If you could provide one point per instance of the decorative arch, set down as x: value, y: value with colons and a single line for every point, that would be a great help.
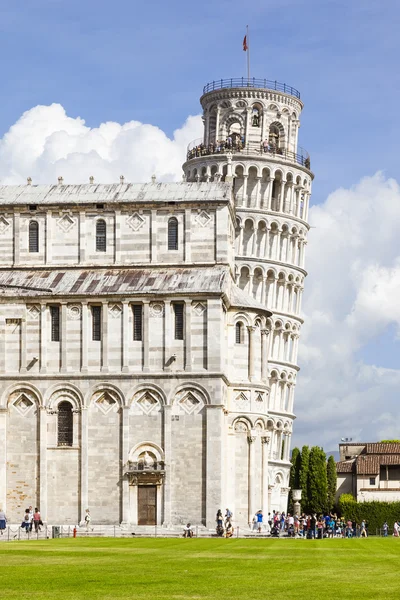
x: 242, y: 425
x: 100, y: 388
x: 191, y: 397
x: 146, y: 446
x: 9, y: 394
x: 64, y: 393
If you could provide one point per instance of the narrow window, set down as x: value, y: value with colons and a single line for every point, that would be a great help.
x: 137, y: 322
x: 33, y: 236
x: 101, y: 236
x: 178, y: 310
x: 173, y: 234
x: 96, y: 323
x: 55, y: 323
x: 372, y: 481
x: 65, y: 424
x: 239, y: 333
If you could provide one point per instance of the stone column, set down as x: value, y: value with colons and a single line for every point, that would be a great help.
x: 167, y: 333
x: 64, y: 337
x: 257, y: 191
x: 82, y: 238
x: 188, y: 335
x: 265, y: 252
x: 146, y: 336
x: 84, y: 462
x: 48, y: 239
x: 264, y: 480
x: 187, y: 242
x: 117, y: 235
x: 153, y: 236
x: 269, y: 196
x: 168, y: 464
x: 287, y: 446
x: 264, y: 355
x: 244, y: 197
x: 254, y: 241
x: 124, y: 459
x: 85, y: 337
x: 43, y: 337
x: 104, y: 338
x: 207, y: 128
x: 23, y: 346
x: 16, y: 238
x: 251, y: 438
x: 217, y: 125
x: 125, y: 336
x: 281, y: 195
x: 214, y: 461
x: 3, y: 457
x: 252, y: 331
x: 240, y: 249
x: 43, y: 462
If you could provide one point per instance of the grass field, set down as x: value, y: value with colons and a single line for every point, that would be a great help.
x: 168, y: 569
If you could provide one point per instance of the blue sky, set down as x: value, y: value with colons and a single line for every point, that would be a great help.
x: 128, y: 61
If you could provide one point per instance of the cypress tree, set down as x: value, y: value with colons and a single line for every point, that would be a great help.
x: 303, y: 476
x: 332, y: 480
x: 317, y: 485
x: 294, y: 475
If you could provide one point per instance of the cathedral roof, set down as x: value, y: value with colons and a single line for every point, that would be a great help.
x: 114, y: 193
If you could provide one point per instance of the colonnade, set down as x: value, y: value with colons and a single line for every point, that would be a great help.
x: 277, y: 294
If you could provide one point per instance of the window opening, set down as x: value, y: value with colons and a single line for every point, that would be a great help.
x: 137, y: 322
x: 33, y: 236
x: 178, y: 310
x: 65, y: 424
x: 101, y: 236
x: 239, y: 333
x: 96, y: 323
x: 55, y: 323
x: 173, y: 234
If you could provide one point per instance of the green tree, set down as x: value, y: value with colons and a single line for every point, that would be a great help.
x: 294, y: 480
x: 332, y: 480
x: 303, y: 476
x: 317, y: 484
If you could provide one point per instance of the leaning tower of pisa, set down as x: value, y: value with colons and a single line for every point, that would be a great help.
x: 251, y: 138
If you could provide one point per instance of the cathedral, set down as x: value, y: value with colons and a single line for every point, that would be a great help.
x: 149, y: 332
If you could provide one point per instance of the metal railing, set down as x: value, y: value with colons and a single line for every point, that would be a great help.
x: 243, y: 82
x: 196, y: 149
x: 140, y: 466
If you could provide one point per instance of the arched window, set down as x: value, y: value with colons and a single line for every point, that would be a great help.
x: 65, y: 426
x: 239, y: 333
x: 173, y: 234
x: 101, y: 236
x: 33, y: 236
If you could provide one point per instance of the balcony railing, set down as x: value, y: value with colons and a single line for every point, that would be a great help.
x: 197, y: 149
x: 141, y: 467
x: 243, y: 82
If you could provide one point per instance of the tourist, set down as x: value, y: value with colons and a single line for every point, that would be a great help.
x: 220, y: 523
x: 363, y: 530
x: 31, y: 518
x: 88, y: 518
x: 228, y: 516
x: 228, y: 529
x: 396, y: 529
x: 26, y: 523
x: 188, y: 531
x: 385, y: 529
x: 3, y: 521
x: 311, y: 527
x: 37, y: 521
x: 259, y: 518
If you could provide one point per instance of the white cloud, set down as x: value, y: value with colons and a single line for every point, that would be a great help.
x: 351, y: 298
x: 46, y: 143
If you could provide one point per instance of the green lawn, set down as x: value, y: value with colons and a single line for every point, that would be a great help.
x: 200, y: 568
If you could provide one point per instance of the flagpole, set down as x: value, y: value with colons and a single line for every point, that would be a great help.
x: 248, y: 53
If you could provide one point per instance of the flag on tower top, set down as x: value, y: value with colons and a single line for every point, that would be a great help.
x: 245, y: 46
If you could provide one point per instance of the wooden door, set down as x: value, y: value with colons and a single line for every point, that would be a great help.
x: 147, y: 504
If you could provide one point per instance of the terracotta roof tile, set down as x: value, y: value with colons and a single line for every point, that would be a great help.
x: 345, y: 466
x: 382, y: 448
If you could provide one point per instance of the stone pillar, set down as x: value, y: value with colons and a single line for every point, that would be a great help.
x: 287, y: 447
x: 82, y: 238
x: 240, y: 249
x: 264, y: 355
x: 167, y: 334
x: 23, y: 346
x: 257, y: 192
x: 43, y: 462
x: 104, y: 338
x: 269, y: 196
x: 244, y: 197
x: 265, y: 252
x: 207, y: 129
x: 281, y: 195
x: 43, y: 337
x: 16, y: 238
x: 187, y: 246
x: 252, y: 331
x: 125, y: 336
x: 84, y: 462
x: 251, y: 438
x: 85, y: 337
x: 146, y: 336
x: 153, y: 236
x: 254, y: 241
x: 124, y: 460
x: 64, y: 337
x: 217, y: 125
x: 264, y: 480
x: 188, y: 335
x: 3, y: 457
x: 168, y: 464
x: 48, y: 239
x: 214, y: 461
x: 296, y: 495
x: 117, y: 235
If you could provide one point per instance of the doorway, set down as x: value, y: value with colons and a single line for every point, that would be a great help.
x: 147, y: 504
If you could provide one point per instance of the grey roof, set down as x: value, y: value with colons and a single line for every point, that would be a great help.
x: 94, y: 282
x: 240, y: 299
x: 114, y: 193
